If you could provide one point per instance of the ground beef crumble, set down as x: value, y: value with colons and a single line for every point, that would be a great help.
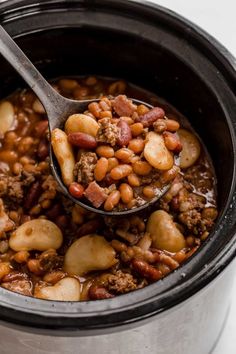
x: 107, y: 132
x: 121, y: 282
x: 84, y: 169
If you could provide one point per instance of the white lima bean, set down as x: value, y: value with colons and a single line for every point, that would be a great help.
x: 64, y: 154
x: 67, y: 289
x: 7, y: 116
x: 164, y: 233
x: 37, y: 234
x: 191, y: 148
x: 90, y: 252
x: 156, y: 153
x: 81, y: 123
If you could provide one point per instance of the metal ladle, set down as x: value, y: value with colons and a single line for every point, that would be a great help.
x: 58, y: 109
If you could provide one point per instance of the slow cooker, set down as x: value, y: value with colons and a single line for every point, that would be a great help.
x: 164, y: 53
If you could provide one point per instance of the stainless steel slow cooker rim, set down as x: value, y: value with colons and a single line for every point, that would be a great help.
x: 56, y: 306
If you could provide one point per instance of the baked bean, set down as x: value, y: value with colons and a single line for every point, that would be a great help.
x: 136, y: 145
x: 101, y: 169
x: 169, y: 175
x: 120, y: 171
x: 172, y: 142
x: 136, y: 129
x: 8, y: 156
x: 112, y: 200
x: 128, y: 120
x: 68, y: 84
x: 21, y: 256
x: 105, y: 114
x: 126, y: 193
x: 105, y: 151
x: 25, y: 144
x: 95, y: 109
x: 142, y: 168
x: 124, y: 154
x: 76, y: 190
x: 142, y: 109
x: 172, y: 125
x: 132, y: 203
x: 17, y: 168
x: 112, y: 162
x: 34, y: 266
x: 148, y: 192
x: 134, y: 180
x: 117, y: 88
x: 104, y: 105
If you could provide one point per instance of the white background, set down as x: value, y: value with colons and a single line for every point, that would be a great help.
x: 219, y: 19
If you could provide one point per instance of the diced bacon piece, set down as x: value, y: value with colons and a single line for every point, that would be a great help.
x: 123, y: 106
x: 95, y: 194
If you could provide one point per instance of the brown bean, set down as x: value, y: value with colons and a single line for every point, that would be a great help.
x: 172, y: 125
x: 105, y: 114
x: 34, y: 266
x: 160, y: 126
x: 136, y: 129
x: 98, y: 293
x: 136, y: 145
x: 142, y: 168
x: 169, y: 175
x: 8, y: 156
x: 105, y: 105
x: 112, y: 162
x: 148, y: 192
x: 21, y: 256
x: 101, y: 169
x: 25, y: 144
x: 126, y: 193
x: 146, y: 270
x: 125, y: 134
x: 128, y: 120
x: 112, y: 200
x: 134, y: 180
x: 172, y: 142
x: 82, y: 140
x: 124, y: 154
x: 151, y: 116
x: 120, y: 171
x: 142, y: 109
x: 95, y: 109
x: 105, y: 151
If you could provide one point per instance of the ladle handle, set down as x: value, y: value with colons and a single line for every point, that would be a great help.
x: 14, y: 55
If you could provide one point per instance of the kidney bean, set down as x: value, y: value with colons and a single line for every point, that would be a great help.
x: 125, y: 134
x: 76, y: 190
x: 99, y: 293
x: 43, y: 149
x: 54, y: 211
x: 33, y: 195
x: 82, y: 140
x: 146, y: 270
x: 151, y: 116
x: 90, y: 227
x: 40, y: 128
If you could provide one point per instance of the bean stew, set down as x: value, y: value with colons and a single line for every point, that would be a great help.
x: 53, y: 249
x: 117, y: 155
